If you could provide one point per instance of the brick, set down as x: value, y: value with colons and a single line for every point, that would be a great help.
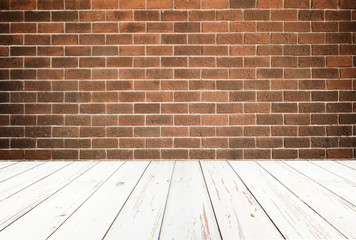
x: 311, y: 15
x: 294, y: 119
x: 174, y: 15
x: 146, y: 132
x: 201, y: 108
x: 159, y: 143
x: 297, y: 26
x: 269, y: 73
x: 257, y: 154
x: 245, y: 119
x: 257, y: 15
x: 312, y: 153
x: 58, y: 40
x: 146, y: 154
x: 347, y: 4
x: 339, y: 153
x: 311, y: 131
x: 297, y: 142
x: 187, y: 143
x: 120, y: 154
x: 324, y: 119
x: 229, y: 85
x: 284, y: 154
x: 202, y: 154
x: 347, y: 118
x: 229, y: 154
x: 127, y: 120
x: 201, y: 38
x: 311, y: 38
x: 186, y: 27
x: 243, y: 27
x: 23, y: 28
x: 159, y: 120
x: 187, y: 4
x: 201, y: 131
x: 106, y: 4
x: 89, y: 16
x: 161, y: 4
x: 284, y: 15
x: 147, y: 85
x: 120, y: 132
x: 269, y: 142
x: 256, y: 131
x: 257, y: 38
x: 229, y: 108
x: 242, y: 96
x: 92, y: 154
x: 174, y: 154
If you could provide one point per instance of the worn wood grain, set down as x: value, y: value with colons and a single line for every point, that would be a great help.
x: 338, y: 169
x: 237, y: 212
x: 340, y: 186
x: 93, y: 219
x: 20, y: 203
x: 142, y: 214
x: 341, y: 215
x: 293, y: 218
x: 189, y: 214
x: 350, y: 164
x: 49, y: 215
x: 16, y: 169
x: 28, y: 178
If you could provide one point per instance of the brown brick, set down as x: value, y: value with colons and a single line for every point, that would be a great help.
x: 202, y: 154
x: 256, y: 131
x: 229, y: 154
x: 311, y: 153
x: 201, y: 131
x: 120, y: 154
x: 257, y: 154
x: 146, y: 154
x: 174, y: 154
x: 297, y: 142
x: 284, y: 154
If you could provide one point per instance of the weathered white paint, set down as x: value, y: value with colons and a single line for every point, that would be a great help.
x: 188, y: 214
x: 4, y: 164
x: 92, y: 220
x: 237, y: 212
x: 293, y: 218
x: 338, y: 169
x: 342, y: 187
x: 350, y: 164
x: 18, y: 204
x: 141, y: 216
x: 26, y: 179
x: 342, y: 215
x: 16, y: 169
x: 48, y: 216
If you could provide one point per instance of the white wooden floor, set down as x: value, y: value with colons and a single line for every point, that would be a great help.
x: 178, y: 200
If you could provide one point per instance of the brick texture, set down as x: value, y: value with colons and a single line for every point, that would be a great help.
x: 163, y: 79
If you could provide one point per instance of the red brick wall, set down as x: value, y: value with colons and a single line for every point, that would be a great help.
x: 177, y: 79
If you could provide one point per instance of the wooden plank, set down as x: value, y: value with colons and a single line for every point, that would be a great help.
x: 92, y: 220
x: 189, y: 214
x: 340, y: 186
x: 4, y: 164
x: 26, y: 179
x: 338, y: 169
x: 141, y: 216
x: 332, y: 208
x: 350, y: 164
x: 292, y: 217
x: 15, y: 169
x: 237, y: 212
x: 50, y: 214
x: 18, y: 204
